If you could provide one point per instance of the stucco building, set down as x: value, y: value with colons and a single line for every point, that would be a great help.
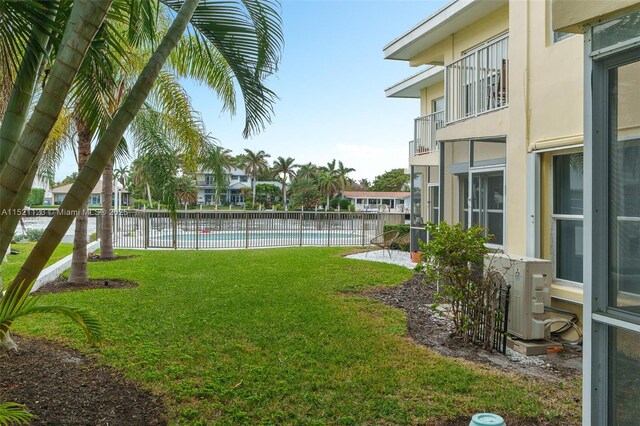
x: 513, y: 137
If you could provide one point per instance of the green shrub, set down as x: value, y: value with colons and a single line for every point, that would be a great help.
x: 402, y: 228
x: 344, y: 204
x: 352, y: 208
x: 32, y: 235
x: 334, y: 203
x: 454, y: 257
x: 36, y: 197
x: 93, y: 237
x: 139, y: 203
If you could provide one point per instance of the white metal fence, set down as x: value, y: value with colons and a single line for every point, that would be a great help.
x: 218, y: 229
x: 478, y: 82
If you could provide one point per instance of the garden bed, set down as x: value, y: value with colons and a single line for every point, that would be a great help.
x: 430, y: 329
x: 62, y: 386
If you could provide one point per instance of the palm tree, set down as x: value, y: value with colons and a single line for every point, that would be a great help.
x: 254, y: 164
x: 186, y: 192
x: 249, y: 40
x: 218, y: 161
x: 307, y: 170
x: 327, y: 183
x: 304, y: 192
x: 343, y: 179
x: 284, y: 167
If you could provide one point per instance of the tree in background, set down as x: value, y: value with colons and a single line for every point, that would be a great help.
x: 254, y: 164
x: 36, y: 197
x: 304, y: 192
x: 343, y: 176
x: 218, y: 161
x: 327, y: 184
x: 284, y: 168
x: 391, y: 181
x: 247, y: 34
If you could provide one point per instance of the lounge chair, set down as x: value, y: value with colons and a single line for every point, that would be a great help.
x: 385, y: 240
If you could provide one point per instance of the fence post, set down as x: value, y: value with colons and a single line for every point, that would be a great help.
x: 246, y: 229
x: 300, y: 227
x: 145, y: 215
x: 198, y: 230
x: 174, y: 228
x: 362, y: 228
x: 328, y: 229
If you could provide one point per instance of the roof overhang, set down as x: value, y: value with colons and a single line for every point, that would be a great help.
x: 411, y: 86
x: 450, y: 19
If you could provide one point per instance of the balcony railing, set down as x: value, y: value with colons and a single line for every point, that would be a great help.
x: 204, y: 183
x: 478, y: 82
x: 425, y: 133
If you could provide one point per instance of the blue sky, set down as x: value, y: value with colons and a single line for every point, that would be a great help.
x: 331, y: 87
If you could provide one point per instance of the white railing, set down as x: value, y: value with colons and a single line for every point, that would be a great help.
x: 478, y: 82
x: 425, y: 133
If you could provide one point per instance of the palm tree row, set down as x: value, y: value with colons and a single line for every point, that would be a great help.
x: 61, y: 37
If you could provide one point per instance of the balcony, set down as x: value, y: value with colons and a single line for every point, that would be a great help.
x: 425, y: 133
x: 204, y: 183
x: 477, y: 83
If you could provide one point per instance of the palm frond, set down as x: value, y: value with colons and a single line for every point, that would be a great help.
x: 206, y: 66
x: 87, y: 321
x: 12, y: 413
x: 249, y: 37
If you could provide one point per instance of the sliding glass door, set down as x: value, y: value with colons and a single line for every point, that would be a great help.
x: 487, y: 202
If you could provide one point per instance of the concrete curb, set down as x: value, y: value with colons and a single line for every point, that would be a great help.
x: 52, y: 272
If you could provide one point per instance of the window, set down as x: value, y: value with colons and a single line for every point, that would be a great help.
x: 438, y: 105
x: 567, y: 217
x: 434, y: 203
x: 94, y: 200
x: 559, y: 36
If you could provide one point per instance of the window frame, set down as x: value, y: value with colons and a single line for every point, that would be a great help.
x: 555, y: 217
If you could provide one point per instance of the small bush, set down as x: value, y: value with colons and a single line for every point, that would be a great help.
x: 334, y: 203
x: 344, y: 204
x: 402, y: 229
x: 352, y: 208
x: 32, y: 235
x: 36, y: 197
x: 454, y: 258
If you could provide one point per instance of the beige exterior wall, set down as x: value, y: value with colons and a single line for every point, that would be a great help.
x: 573, y: 15
x: 545, y: 111
x: 453, y: 46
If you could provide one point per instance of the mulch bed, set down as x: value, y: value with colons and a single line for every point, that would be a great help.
x: 61, y: 285
x: 430, y: 329
x: 96, y: 258
x: 64, y: 387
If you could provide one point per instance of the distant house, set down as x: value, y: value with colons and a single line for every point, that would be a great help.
x: 379, y: 201
x: 238, y: 183
x: 95, y: 199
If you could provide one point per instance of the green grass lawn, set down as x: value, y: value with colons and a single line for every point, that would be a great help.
x: 282, y: 336
x: 11, y: 267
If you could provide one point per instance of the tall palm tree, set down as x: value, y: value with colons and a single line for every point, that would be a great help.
x: 327, y: 183
x: 249, y: 40
x: 285, y: 168
x: 343, y: 179
x: 254, y: 164
x: 218, y: 161
x: 186, y: 192
x: 307, y: 170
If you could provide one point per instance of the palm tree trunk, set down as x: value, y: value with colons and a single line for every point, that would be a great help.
x: 84, y: 21
x: 104, y: 150
x: 253, y: 190
x: 78, y: 273
x: 15, y: 116
x: 284, y: 189
x: 106, y: 233
x: 149, y: 194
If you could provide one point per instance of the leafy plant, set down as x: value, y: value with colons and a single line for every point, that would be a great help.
x: 36, y: 197
x: 13, y: 413
x: 454, y: 258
